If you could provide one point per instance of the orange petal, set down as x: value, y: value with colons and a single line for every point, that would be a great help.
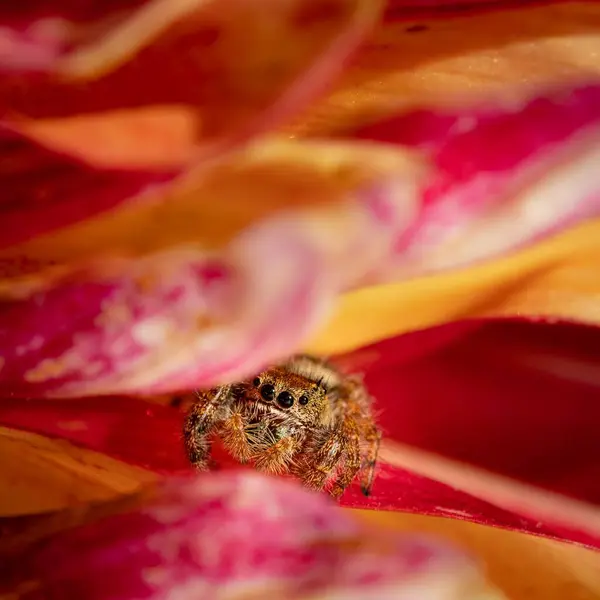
x: 437, y: 62
x: 215, y: 205
x: 241, y: 66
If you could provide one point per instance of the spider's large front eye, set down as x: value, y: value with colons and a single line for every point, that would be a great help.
x: 285, y: 400
x: 267, y: 391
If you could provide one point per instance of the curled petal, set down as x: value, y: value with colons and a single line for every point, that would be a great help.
x: 237, y: 66
x: 217, y: 537
x: 43, y: 190
x: 185, y: 318
x: 211, y: 207
x: 512, y: 398
x: 504, y: 176
x: 403, y: 489
x: 436, y: 56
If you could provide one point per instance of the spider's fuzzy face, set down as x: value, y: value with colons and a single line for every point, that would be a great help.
x: 303, y: 417
x: 293, y: 392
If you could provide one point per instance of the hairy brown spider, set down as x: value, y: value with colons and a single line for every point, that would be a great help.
x: 303, y: 417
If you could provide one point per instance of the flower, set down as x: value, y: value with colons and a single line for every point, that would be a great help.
x: 195, y: 189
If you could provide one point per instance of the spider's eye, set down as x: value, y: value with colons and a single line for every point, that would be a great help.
x: 285, y: 400
x: 267, y: 391
x: 256, y: 381
x: 303, y: 399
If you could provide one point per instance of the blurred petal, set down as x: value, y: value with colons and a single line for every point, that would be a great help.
x: 409, y: 9
x: 183, y: 317
x: 140, y: 138
x: 131, y: 325
x: 43, y: 190
x: 319, y: 179
x: 554, y: 279
x: 435, y: 55
x: 504, y: 176
x: 239, y: 69
x: 36, y: 36
x: 198, y: 535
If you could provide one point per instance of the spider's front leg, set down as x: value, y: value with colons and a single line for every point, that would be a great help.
x: 359, y: 409
x: 332, y: 460
x: 373, y: 439
x: 201, y: 421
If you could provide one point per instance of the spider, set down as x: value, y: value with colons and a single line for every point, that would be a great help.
x: 303, y: 417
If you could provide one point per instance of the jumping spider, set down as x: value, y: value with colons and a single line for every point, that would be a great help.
x: 303, y: 417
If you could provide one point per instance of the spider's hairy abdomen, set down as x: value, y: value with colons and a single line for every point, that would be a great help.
x: 303, y: 417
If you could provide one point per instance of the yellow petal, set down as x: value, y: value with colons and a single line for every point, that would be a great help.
x: 214, y: 205
x: 558, y: 279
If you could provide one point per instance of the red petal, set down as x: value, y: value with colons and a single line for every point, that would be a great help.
x: 403, y: 10
x: 43, y: 190
x: 128, y: 429
x: 514, y: 398
x: 403, y: 490
x: 217, y: 535
x: 172, y: 320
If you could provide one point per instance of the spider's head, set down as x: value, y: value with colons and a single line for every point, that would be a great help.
x: 288, y: 390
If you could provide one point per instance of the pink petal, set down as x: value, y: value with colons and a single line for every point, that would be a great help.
x: 506, y: 175
x: 226, y: 536
x: 43, y: 190
x: 182, y: 318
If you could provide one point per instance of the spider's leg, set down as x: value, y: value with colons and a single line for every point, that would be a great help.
x: 320, y: 458
x: 201, y: 421
x: 349, y: 465
x: 359, y: 407
x: 373, y: 439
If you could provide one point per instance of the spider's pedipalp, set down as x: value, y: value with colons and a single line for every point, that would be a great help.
x: 232, y: 431
x: 276, y: 459
x: 201, y: 421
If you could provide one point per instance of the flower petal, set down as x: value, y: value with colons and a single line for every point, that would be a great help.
x: 399, y: 489
x: 504, y: 176
x: 315, y: 178
x: 239, y: 68
x: 513, y: 398
x: 217, y: 537
x: 43, y: 190
x: 127, y: 429
x: 439, y: 57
